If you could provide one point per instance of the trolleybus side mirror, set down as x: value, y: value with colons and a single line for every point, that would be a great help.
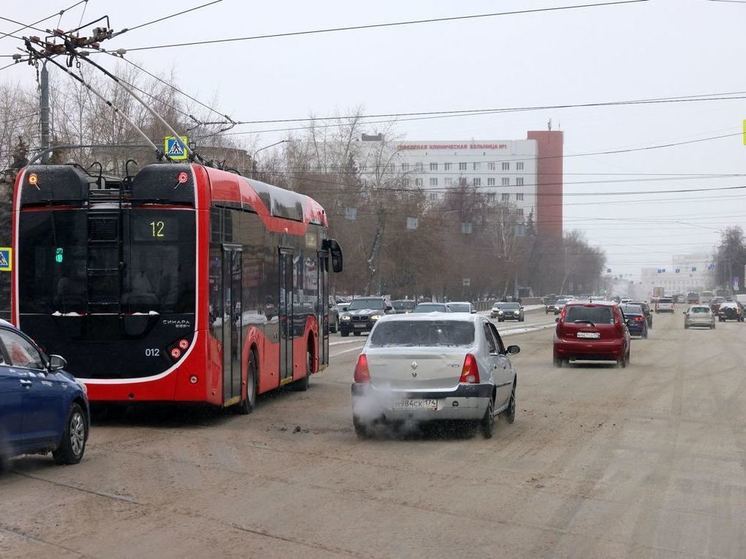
x: 336, y: 253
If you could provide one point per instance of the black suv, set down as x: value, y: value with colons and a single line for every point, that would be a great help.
x: 730, y: 310
x: 362, y: 315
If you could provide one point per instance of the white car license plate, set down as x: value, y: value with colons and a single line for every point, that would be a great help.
x: 589, y: 335
x: 361, y: 326
x: 417, y: 404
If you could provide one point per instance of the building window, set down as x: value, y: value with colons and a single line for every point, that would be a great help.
x: 505, y: 197
x: 477, y: 181
x: 433, y: 196
x: 404, y: 167
x: 449, y: 181
x: 519, y: 211
x: 418, y: 182
x: 433, y: 166
x: 519, y: 196
x: 491, y: 181
x: 519, y: 181
x: 491, y: 166
x: 506, y: 166
x: 519, y: 166
x: 405, y: 183
x: 491, y: 197
x: 475, y: 166
x: 419, y: 167
x: 433, y: 182
x: 446, y: 166
x: 462, y: 166
x: 506, y: 181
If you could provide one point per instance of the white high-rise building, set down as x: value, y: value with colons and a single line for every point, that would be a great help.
x: 504, y: 171
x: 686, y: 273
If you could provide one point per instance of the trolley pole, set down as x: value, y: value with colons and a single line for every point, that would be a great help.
x: 44, y: 109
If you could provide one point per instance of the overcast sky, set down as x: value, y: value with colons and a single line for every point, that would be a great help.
x: 660, y: 48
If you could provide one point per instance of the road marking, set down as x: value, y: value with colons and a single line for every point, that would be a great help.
x: 344, y: 342
x: 346, y: 351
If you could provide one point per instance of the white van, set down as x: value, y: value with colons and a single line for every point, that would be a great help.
x: 664, y: 304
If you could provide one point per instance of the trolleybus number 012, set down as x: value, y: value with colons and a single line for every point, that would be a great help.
x: 152, y: 352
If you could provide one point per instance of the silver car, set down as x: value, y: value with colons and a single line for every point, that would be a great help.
x: 434, y: 366
x: 699, y: 315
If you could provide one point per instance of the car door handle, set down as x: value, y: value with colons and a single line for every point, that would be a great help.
x: 25, y: 382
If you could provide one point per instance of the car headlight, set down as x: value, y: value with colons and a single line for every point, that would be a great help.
x: 499, y: 312
x: 345, y: 317
x: 375, y: 317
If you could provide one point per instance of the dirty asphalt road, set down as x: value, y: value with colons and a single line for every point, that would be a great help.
x: 648, y: 461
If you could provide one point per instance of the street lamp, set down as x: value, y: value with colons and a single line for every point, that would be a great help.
x: 253, y: 155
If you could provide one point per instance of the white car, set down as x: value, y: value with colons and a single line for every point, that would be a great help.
x: 664, y: 304
x: 699, y: 315
x: 434, y: 366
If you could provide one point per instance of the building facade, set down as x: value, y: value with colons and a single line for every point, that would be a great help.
x: 525, y: 174
x: 686, y: 273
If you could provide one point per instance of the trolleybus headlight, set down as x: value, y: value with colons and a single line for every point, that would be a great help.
x: 175, y: 353
x: 183, y: 344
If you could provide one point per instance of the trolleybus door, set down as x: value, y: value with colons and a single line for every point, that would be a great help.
x: 323, y: 317
x: 285, y: 316
x: 232, y: 321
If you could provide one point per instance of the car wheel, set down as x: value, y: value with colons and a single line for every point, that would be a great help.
x: 686, y: 326
x: 333, y: 327
x: 487, y: 425
x: 644, y: 334
x: 357, y: 333
x: 558, y: 362
x: 509, y: 413
x: 361, y: 429
x: 72, y: 447
x: 344, y: 333
x: 248, y: 404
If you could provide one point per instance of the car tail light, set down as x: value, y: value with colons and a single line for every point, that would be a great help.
x: 639, y: 318
x: 362, y: 373
x: 470, y: 370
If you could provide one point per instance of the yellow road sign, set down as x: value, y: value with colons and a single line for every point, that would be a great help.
x: 6, y: 259
x: 175, y: 150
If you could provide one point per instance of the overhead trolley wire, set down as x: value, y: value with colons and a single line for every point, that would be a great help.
x: 164, y: 18
x: 388, y: 24
x: 164, y: 82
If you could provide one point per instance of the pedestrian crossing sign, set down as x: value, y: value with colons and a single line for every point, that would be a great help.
x: 6, y: 259
x: 174, y: 149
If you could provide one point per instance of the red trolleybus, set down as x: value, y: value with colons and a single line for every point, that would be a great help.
x: 181, y: 283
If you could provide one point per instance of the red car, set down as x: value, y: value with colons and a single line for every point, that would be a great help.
x: 591, y: 332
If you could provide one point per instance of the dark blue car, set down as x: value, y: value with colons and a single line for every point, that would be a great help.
x: 637, y: 322
x: 42, y: 408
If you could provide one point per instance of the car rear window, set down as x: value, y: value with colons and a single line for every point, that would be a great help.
x: 700, y: 310
x: 665, y: 300
x: 430, y: 333
x: 596, y: 315
x: 631, y: 309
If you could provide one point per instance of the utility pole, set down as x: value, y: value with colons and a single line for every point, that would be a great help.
x: 44, y: 109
